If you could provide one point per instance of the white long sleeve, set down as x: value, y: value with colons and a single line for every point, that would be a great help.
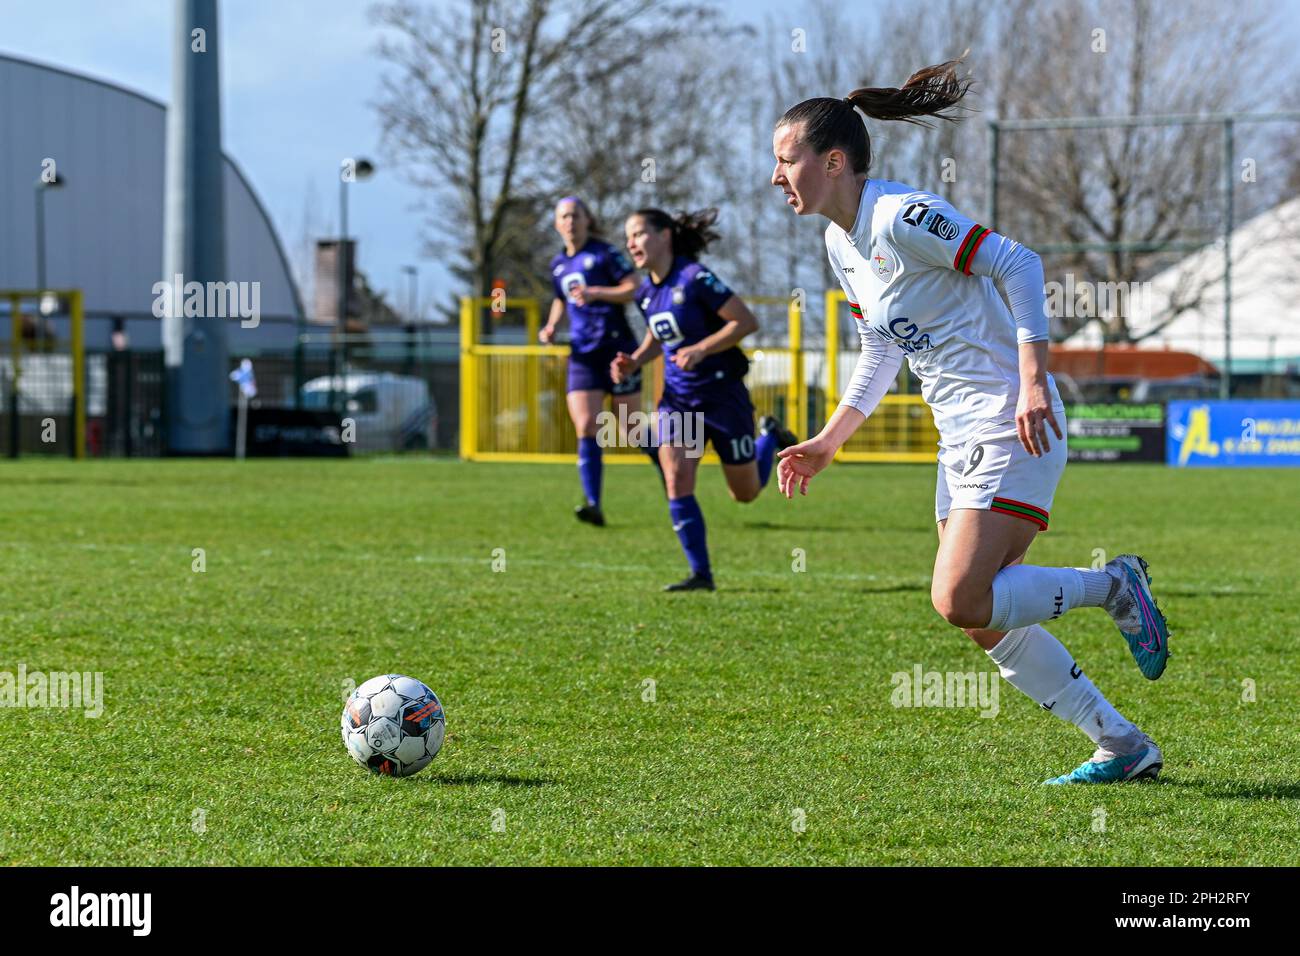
x: 877, y: 368
x: 879, y: 362
x: 1019, y: 271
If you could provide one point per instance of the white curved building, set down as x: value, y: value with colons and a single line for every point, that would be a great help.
x: 104, y: 227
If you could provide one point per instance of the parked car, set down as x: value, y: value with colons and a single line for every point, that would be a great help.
x: 391, y: 412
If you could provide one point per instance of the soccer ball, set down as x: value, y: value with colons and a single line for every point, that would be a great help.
x: 393, y: 725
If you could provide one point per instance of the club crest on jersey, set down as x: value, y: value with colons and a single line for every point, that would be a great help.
x: 882, y: 263
x: 588, y: 261
x: 679, y: 295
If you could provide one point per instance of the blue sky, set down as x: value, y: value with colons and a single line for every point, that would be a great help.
x: 298, y: 78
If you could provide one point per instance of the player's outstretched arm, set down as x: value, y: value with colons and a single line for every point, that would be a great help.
x: 799, y: 463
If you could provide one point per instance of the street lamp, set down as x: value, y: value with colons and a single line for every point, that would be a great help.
x: 41, y: 186
x: 410, y: 317
x: 349, y: 170
x: 412, y: 294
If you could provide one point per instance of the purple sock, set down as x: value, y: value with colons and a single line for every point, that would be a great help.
x: 765, y: 453
x: 589, y: 469
x: 688, y: 522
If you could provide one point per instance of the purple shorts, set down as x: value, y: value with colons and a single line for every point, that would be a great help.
x: 589, y: 371
x: 728, y: 420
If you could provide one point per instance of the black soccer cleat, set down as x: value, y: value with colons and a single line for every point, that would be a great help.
x: 590, y: 514
x: 696, y: 582
x: 784, y: 437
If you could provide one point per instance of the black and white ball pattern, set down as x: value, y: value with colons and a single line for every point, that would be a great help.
x: 393, y: 725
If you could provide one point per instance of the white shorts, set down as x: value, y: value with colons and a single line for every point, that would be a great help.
x: 993, y: 472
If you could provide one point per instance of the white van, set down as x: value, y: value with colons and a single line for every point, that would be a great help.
x: 392, y: 412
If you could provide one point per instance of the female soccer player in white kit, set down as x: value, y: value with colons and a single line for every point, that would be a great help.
x: 920, y: 278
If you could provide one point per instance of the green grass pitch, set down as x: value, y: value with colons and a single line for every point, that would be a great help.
x: 768, y: 735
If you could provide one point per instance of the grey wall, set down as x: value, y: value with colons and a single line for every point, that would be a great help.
x: 104, y: 229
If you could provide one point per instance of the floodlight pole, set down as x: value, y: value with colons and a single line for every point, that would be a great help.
x: 341, y: 326
x: 40, y: 237
x: 1225, y: 380
x: 349, y: 170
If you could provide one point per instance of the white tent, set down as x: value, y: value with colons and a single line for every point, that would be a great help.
x: 1265, y: 297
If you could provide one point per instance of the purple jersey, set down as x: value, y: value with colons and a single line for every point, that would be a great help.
x: 683, y: 310
x: 595, y: 324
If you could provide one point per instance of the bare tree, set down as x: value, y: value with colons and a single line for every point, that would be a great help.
x: 1145, y: 187
x: 464, y: 106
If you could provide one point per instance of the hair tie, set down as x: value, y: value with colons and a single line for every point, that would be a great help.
x: 857, y: 109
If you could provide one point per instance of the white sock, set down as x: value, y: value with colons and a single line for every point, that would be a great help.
x: 1025, y: 594
x: 1038, y: 665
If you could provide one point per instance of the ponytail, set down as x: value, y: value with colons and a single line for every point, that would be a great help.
x: 692, y: 231
x: 830, y: 123
x: 933, y: 91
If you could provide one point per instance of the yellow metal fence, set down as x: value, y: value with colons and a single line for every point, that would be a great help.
x: 41, y: 380
x: 512, y: 389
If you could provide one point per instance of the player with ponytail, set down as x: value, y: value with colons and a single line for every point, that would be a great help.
x: 592, y: 282
x: 922, y: 283
x: 697, y: 323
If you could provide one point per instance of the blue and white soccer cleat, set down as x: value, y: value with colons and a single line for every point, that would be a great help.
x: 1133, y: 608
x: 1107, y: 766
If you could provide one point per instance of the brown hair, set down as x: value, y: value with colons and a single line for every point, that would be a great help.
x: 830, y: 123
x: 692, y: 231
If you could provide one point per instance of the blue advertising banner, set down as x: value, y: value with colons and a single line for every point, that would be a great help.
x: 1233, y: 434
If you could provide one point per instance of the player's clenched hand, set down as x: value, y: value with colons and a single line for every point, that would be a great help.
x: 687, y: 358
x: 546, y: 335
x: 799, y: 463
x: 1033, y: 415
x: 622, y: 366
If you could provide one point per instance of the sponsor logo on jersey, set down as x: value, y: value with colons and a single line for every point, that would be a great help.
x: 663, y: 326
x: 713, y: 282
x: 939, y: 225
x: 572, y: 282
x: 913, y: 213
x: 906, y: 335
x: 558, y: 269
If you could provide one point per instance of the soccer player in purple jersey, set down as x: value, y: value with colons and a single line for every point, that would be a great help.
x: 697, y: 323
x: 592, y: 282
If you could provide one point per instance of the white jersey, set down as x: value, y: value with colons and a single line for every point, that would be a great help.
x: 919, y: 279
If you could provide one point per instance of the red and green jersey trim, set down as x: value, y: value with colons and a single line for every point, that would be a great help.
x: 1019, y: 509
x: 856, y: 311
x: 969, y: 246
